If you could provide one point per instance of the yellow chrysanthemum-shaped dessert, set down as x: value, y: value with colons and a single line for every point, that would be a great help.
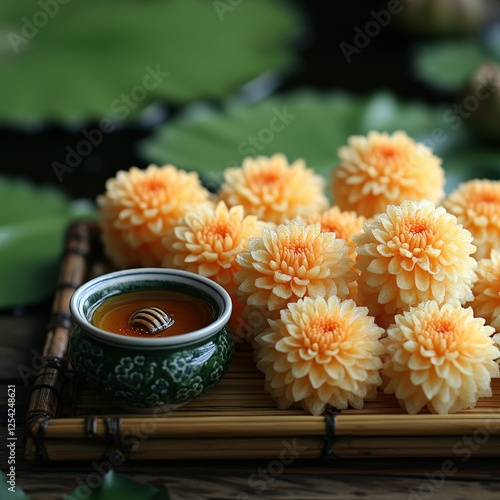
x: 381, y: 169
x: 412, y: 253
x: 138, y: 208
x: 291, y: 262
x: 207, y: 241
x: 476, y: 204
x: 321, y: 352
x: 486, y: 290
x: 345, y: 225
x: 251, y: 322
x: 441, y: 357
x: 273, y: 190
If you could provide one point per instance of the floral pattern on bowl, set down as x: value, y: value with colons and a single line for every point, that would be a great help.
x: 160, y: 378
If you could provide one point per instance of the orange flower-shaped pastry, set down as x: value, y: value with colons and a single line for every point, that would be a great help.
x: 439, y: 356
x: 206, y: 241
x: 321, y: 352
x: 273, y: 190
x: 345, y: 225
x: 382, y: 169
x: 486, y: 290
x: 476, y: 204
x: 138, y: 208
x: 413, y: 253
x: 251, y: 322
x: 291, y: 262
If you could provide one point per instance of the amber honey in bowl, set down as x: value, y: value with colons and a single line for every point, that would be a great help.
x: 188, y: 312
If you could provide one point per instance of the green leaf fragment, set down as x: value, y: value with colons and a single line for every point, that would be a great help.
x: 33, y: 221
x: 117, y: 486
x: 450, y: 64
x: 9, y: 487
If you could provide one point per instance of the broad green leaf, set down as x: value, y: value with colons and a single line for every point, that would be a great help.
x: 117, y: 486
x: 15, y: 492
x: 307, y: 125
x: 33, y: 221
x: 450, y: 64
x: 89, y: 59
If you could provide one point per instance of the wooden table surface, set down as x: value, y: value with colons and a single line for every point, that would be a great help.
x: 303, y: 479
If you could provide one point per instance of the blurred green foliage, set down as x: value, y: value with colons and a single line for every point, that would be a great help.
x: 313, y: 127
x: 450, y: 64
x: 32, y: 225
x: 89, y: 59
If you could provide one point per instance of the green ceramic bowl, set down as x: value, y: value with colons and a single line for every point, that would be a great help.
x: 153, y: 374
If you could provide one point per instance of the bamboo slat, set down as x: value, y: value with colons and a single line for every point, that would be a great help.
x: 236, y: 419
x: 284, y: 425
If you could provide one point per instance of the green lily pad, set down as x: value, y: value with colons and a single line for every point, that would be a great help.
x: 32, y: 225
x: 306, y: 125
x: 89, y: 59
x: 448, y: 65
x: 116, y: 486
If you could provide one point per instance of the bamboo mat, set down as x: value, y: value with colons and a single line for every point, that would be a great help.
x: 236, y: 419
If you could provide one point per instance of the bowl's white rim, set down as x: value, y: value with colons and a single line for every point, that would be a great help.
x: 144, y: 273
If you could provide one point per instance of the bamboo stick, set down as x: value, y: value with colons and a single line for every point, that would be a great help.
x: 49, y: 381
x: 272, y: 448
x: 282, y: 426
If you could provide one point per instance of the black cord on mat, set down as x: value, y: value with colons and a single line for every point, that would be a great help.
x: 328, y: 455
